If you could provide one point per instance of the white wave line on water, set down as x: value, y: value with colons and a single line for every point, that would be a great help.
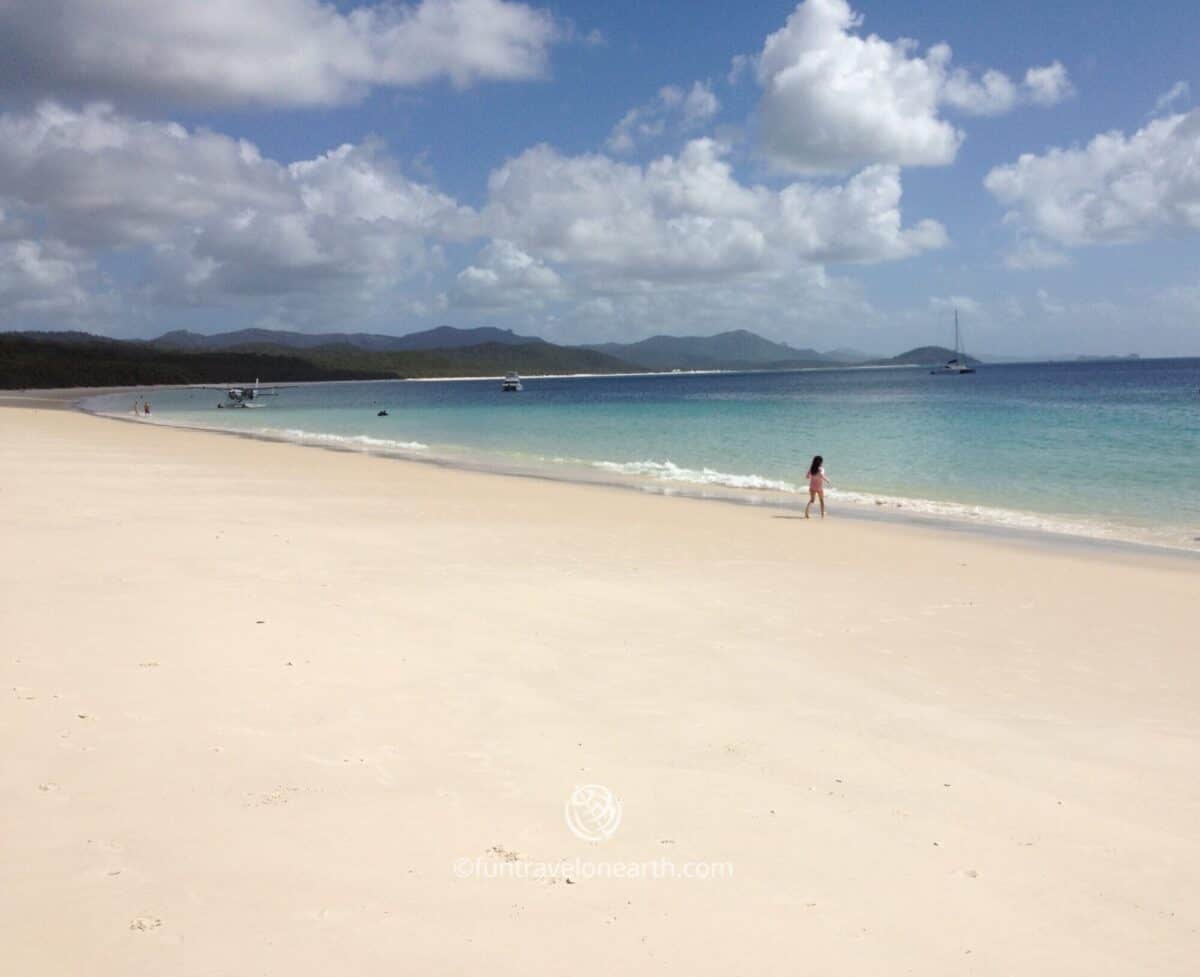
x: 970, y: 512
x: 350, y: 440
x: 667, y: 471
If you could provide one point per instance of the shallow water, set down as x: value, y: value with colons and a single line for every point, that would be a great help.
x: 1104, y: 449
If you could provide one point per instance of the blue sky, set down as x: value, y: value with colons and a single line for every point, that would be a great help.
x: 591, y: 172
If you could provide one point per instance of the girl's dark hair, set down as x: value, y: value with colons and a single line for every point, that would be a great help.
x: 815, y: 467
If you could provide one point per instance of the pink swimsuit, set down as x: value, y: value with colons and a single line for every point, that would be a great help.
x: 816, y: 483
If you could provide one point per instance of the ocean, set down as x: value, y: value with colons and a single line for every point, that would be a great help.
x: 1102, y: 449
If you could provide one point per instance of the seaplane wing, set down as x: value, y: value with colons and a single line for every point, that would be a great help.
x: 236, y: 396
x: 255, y: 391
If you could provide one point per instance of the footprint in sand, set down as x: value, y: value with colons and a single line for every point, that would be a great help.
x: 272, y: 798
x: 143, y: 923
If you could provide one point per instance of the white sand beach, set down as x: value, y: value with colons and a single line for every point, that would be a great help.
x: 265, y: 704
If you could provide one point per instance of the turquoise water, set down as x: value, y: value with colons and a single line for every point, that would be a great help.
x: 1107, y: 449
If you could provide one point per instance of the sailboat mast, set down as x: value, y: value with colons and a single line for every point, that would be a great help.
x: 956, y: 353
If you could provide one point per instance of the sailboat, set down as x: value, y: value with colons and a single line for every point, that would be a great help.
x: 956, y: 366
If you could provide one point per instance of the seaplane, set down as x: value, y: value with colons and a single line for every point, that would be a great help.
x: 245, y: 396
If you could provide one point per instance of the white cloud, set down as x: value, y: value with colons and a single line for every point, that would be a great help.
x: 995, y: 93
x: 39, y: 283
x: 681, y: 218
x: 805, y: 304
x: 687, y: 218
x: 506, y: 277
x: 599, y: 247
x: 834, y: 100
x: 857, y: 222
x: 267, y: 52
x: 1116, y: 189
x: 739, y: 66
x: 700, y: 105
x: 194, y: 218
x: 214, y: 221
x: 1031, y: 254
x: 1049, y: 85
x: 1181, y: 91
x: 671, y: 106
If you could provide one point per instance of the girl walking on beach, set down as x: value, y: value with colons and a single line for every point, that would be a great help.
x: 816, y: 484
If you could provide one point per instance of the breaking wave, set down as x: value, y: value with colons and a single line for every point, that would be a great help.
x: 669, y: 472
x: 361, y: 441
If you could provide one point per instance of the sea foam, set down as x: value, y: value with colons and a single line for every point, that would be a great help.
x: 361, y: 441
x: 667, y: 471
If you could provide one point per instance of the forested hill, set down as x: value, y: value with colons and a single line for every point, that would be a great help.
x: 30, y: 360
x: 739, y: 349
x: 80, y: 360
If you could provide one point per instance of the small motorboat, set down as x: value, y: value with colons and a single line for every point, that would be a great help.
x: 511, y: 384
x: 382, y: 413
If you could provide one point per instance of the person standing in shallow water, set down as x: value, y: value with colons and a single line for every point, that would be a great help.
x: 816, y: 484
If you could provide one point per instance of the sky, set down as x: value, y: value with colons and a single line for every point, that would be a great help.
x: 829, y: 174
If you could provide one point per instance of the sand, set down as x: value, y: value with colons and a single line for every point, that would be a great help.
x: 263, y: 702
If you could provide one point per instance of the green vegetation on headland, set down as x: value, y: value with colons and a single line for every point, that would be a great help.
x: 80, y: 360
x: 45, y: 360
x: 75, y: 359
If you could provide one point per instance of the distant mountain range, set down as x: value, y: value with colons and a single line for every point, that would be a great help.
x: 736, y: 350
x: 443, y: 337
x: 32, y: 359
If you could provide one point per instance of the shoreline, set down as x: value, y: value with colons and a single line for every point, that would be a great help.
x: 581, y: 472
x: 863, y: 506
